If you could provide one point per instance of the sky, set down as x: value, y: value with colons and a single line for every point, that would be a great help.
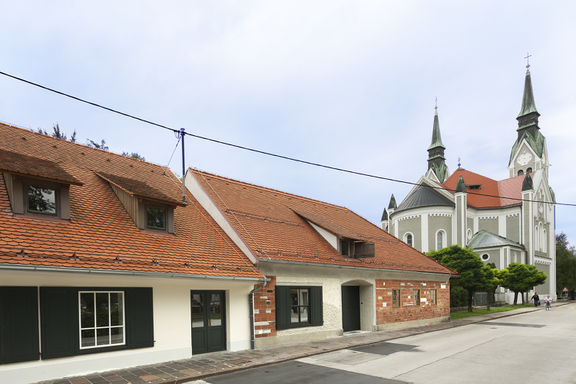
x: 350, y: 84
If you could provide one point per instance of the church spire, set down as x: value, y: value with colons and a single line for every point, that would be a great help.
x: 528, y: 131
x: 436, y: 159
x: 528, y: 116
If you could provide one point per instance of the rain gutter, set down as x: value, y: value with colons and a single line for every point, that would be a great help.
x: 119, y: 272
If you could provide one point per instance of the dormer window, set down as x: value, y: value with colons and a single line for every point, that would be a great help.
x: 41, y: 200
x: 156, y: 217
x: 36, y: 186
x: 345, y: 247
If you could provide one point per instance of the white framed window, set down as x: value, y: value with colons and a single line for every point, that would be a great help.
x: 469, y: 233
x: 544, y: 241
x: 440, y: 239
x: 409, y: 239
x: 485, y: 257
x: 102, y: 319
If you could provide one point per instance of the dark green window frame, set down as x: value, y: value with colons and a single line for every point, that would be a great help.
x: 288, y: 310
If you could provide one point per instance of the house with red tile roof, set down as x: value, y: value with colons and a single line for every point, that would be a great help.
x: 105, y: 264
x: 328, y: 270
x: 504, y: 221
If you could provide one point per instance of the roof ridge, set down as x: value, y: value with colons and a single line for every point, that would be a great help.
x: 81, y: 145
x: 259, y: 187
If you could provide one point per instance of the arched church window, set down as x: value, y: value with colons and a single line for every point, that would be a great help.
x: 544, y: 241
x: 520, y: 172
x: 440, y: 239
x: 537, y: 237
x: 409, y: 239
x: 529, y: 170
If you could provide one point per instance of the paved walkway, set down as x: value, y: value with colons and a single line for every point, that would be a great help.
x: 201, y: 366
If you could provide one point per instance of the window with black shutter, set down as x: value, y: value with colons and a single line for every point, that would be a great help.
x: 90, y: 320
x: 298, y: 307
x: 18, y: 324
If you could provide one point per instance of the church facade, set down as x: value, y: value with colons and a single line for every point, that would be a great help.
x: 504, y: 221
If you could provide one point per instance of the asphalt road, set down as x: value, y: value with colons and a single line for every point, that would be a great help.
x: 537, y: 347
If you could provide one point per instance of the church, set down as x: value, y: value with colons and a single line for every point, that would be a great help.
x: 503, y: 221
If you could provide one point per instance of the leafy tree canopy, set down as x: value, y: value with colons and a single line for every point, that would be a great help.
x: 565, y: 265
x: 521, y: 278
x: 134, y: 155
x: 58, y: 133
x: 469, y: 266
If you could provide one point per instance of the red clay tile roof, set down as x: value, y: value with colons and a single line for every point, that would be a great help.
x: 273, y: 225
x: 23, y: 165
x: 501, y: 193
x: 140, y: 189
x: 100, y: 234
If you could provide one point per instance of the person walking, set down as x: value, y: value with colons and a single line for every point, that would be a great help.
x: 548, y: 301
x: 536, y: 299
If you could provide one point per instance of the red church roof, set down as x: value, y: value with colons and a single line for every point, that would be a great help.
x: 484, y: 192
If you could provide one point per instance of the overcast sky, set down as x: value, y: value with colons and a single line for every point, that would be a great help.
x: 350, y: 84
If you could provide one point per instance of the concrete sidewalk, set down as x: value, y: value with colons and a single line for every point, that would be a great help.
x: 201, y: 366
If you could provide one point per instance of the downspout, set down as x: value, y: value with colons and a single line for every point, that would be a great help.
x: 251, y: 306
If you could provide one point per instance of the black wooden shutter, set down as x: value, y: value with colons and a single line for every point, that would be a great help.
x: 59, y: 321
x: 139, y: 318
x: 18, y: 324
x: 282, y: 307
x: 316, y: 304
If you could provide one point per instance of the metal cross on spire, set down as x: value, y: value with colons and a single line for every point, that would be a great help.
x: 436, y: 105
x: 527, y: 57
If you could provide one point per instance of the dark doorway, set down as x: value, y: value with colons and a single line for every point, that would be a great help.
x: 208, y: 321
x: 350, y: 308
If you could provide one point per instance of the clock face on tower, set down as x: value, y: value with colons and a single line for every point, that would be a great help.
x: 524, y: 158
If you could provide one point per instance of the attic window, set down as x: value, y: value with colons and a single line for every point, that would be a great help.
x: 41, y: 200
x: 156, y: 217
x: 38, y: 197
x: 473, y: 187
x: 345, y: 247
x: 356, y: 248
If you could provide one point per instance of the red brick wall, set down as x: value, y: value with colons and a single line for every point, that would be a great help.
x: 386, y: 313
x: 265, y: 309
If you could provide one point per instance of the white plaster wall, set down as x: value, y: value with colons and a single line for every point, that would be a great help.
x: 172, y: 328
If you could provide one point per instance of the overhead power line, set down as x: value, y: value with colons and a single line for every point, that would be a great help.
x: 262, y: 152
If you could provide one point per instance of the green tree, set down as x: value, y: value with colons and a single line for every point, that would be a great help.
x: 58, y: 133
x: 494, y: 278
x: 521, y: 278
x: 134, y: 155
x: 471, y: 276
x: 565, y: 266
x: 94, y: 144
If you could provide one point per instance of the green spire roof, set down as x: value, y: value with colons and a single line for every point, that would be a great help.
x: 436, y: 159
x: 528, y: 122
x: 384, y: 215
x: 392, y: 204
x: 461, y: 186
x: 436, y: 138
x: 528, y: 105
x: 527, y: 184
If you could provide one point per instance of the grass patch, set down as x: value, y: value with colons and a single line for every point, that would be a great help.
x: 477, y: 312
